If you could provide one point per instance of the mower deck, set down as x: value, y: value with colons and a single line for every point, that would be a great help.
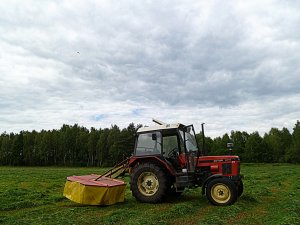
x: 92, y: 190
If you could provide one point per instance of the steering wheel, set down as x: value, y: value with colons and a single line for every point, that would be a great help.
x: 173, y: 152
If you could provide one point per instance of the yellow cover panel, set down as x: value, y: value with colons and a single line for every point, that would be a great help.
x: 94, y: 195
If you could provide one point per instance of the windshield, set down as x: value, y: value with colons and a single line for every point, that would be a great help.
x: 148, y: 144
x: 189, y: 138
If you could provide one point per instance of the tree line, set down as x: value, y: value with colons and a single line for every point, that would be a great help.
x: 78, y: 146
x: 275, y: 146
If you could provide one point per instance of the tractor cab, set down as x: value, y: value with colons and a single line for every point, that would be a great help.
x: 174, y: 143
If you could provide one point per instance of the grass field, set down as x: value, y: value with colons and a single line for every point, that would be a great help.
x: 33, y: 195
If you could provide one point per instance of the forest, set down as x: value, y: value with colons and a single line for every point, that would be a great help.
x: 74, y: 145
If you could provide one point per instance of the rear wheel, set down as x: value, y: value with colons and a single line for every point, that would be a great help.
x: 149, y: 183
x: 221, y: 191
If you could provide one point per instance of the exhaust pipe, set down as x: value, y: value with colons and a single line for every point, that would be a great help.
x: 203, y: 140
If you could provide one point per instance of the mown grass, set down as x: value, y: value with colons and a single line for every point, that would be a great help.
x: 33, y: 195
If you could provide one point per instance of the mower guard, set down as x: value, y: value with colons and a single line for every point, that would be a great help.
x: 94, y: 190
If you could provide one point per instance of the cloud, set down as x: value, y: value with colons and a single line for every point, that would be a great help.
x: 233, y: 65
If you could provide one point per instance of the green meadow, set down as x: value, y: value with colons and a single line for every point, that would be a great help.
x: 33, y: 195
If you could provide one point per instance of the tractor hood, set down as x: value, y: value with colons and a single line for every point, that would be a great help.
x: 223, y: 158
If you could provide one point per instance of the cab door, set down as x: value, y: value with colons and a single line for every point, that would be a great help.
x: 171, y: 148
x: 190, y: 145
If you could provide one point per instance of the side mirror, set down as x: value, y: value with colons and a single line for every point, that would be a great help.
x: 229, y: 145
x: 154, y: 137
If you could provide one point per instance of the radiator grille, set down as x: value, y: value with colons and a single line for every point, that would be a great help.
x: 226, y: 168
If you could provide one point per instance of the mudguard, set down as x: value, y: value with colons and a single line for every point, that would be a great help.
x: 209, y: 179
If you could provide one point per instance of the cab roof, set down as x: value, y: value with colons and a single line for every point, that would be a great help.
x: 160, y: 127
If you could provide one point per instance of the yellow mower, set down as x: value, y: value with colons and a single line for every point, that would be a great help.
x: 97, y: 189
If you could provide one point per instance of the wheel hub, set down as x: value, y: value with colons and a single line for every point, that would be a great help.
x: 220, y: 193
x: 148, y: 183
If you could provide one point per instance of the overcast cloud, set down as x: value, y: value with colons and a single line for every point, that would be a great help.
x: 234, y: 65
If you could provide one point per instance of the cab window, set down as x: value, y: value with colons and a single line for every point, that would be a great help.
x: 148, y: 144
x: 170, y: 145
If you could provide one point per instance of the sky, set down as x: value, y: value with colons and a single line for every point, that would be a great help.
x: 233, y: 65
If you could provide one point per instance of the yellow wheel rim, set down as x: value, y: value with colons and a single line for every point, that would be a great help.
x: 148, y: 183
x: 220, y: 193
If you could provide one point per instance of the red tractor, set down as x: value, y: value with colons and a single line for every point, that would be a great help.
x: 166, y: 160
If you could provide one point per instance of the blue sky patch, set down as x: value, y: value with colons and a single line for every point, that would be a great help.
x: 137, y: 112
x: 99, y: 117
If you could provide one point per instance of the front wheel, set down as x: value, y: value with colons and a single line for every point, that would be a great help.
x: 221, y: 192
x: 240, y: 188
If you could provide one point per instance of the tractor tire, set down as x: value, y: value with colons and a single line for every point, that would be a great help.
x: 149, y: 183
x: 240, y: 188
x: 221, y: 192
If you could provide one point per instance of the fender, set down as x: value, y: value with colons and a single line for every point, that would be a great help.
x: 135, y: 159
x: 219, y: 175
